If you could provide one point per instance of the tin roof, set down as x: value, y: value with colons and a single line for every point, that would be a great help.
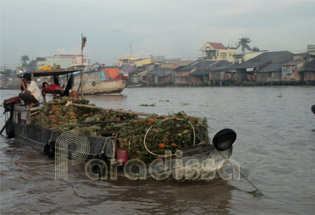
x: 273, y: 67
x: 310, y: 67
x: 38, y: 73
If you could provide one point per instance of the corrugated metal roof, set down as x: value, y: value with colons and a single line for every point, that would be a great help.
x: 249, y: 64
x: 178, y: 68
x: 273, y: 67
x: 198, y: 63
x: 274, y: 57
x: 200, y: 73
x: 310, y: 67
x: 293, y: 63
x: 218, y: 67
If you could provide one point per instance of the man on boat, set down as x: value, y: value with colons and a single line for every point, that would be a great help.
x: 56, y: 89
x: 31, y: 93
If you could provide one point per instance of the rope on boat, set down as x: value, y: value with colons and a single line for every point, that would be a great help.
x: 105, y: 143
x: 163, y: 156
x: 255, y: 192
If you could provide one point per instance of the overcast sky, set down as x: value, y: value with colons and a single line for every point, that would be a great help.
x: 173, y: 28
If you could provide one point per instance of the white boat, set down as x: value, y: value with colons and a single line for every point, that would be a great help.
x: 101, y: 80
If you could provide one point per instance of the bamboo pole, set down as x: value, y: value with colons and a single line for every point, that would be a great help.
x: 107, y: 109
x: 81, y: 84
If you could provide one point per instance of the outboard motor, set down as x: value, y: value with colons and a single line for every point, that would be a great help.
x: 8, y: 106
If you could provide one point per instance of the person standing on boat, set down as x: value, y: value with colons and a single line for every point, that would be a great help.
x: 56, y: 89
x: 31, y: 93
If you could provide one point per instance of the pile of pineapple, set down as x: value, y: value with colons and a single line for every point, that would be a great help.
x: 170, y: 132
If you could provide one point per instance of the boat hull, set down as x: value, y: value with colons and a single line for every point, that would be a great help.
x: 101, y: 81
x: 197, y: 162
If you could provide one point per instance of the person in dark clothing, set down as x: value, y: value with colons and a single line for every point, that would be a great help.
x: 31, y: 93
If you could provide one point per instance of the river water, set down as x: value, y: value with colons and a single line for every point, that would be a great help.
x: 275, y: 148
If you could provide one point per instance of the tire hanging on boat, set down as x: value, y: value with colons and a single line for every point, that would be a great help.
x: 51, y: 152
x: 224, y: 139
x: 9, y: 128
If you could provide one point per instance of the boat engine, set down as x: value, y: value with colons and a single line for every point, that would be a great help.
x: 8, y: 106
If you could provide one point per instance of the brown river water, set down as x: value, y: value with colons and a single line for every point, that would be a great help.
x: 275, y: 148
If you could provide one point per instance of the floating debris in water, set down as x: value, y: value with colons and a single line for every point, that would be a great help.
x: 147, y: 105
x: 164, y: 100
x: 280, y: 95
x: 257, y: 193
x: 186, y: 104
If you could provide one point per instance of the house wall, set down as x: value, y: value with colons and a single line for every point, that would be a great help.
x: 142, y: 62
x: 268, y: 77
x: 217, y: 76
x: 240, y: 58
x: 291, y: 73
x: 195, y: 79
x: 126, y: 60
x: 181, y: 77
x: 77, y: 60
x: 309, y: 77
x: 63, y: 61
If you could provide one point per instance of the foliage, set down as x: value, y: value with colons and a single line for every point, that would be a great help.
x: 255, y: 49
x: 243, y: 43
x: 7, y: 72
x: 24, y: 60
x: 32, y: 65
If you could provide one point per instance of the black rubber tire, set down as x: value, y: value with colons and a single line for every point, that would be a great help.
x: 313, y: 109
x: 51, y: 151
x: 224, y: 139
x: 9, y: 128
x: 46, y: 149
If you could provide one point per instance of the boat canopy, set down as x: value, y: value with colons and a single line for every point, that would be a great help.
x: 38, y: 73
x: 51, y: 72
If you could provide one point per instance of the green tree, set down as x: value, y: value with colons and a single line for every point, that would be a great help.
x: 6, y: 72
x: 243, y: 42
x: 24, y: 59
x: 255, y: 49
x: 32, y: 65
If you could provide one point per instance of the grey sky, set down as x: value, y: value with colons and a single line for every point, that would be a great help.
x: 174, y: 28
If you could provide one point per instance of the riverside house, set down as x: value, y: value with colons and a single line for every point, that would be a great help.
x: 308, y: 73
x: 291, y: 70
x: 214, y: 74
x: 182, y: 74
x: 160, y: 77
x: 265, y: 68
x: 217, y: 51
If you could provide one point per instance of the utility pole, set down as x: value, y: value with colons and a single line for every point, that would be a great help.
x: 130, y: 50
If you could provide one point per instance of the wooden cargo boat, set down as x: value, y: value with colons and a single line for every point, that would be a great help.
x: 199, y: 160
